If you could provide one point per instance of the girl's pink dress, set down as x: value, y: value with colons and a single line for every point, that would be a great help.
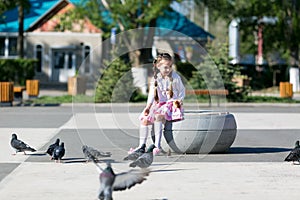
x: 169, y: 109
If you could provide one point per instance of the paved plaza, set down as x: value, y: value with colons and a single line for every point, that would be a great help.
x: 252, y: 169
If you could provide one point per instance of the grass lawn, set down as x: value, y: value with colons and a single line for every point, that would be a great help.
x: 200, y: 99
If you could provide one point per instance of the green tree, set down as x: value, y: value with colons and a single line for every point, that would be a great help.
x: 23, y: 6
x: 126, y: 15
x: 216, y: 72
x: 116, y: 83
x: 281, y: 37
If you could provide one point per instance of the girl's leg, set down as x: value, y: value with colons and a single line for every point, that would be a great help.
x: 158, y: 126
x: 144, y: 130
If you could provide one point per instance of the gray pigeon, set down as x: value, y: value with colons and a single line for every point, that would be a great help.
x: 137, y: 153
x: 52, y: 147
x: 294, y: 155
x: 19, y: 145
x: 145, y: 160
x: 93, y: 154
x: 109, y: 181
x: 59, y: 152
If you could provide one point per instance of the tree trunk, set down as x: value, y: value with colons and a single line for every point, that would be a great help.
x: 146, y: 53
x: 134, y: 57
x: 20, y: 46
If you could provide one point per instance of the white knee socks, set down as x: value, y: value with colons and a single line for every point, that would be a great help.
x: 158, y: 132
x: 144, y: 130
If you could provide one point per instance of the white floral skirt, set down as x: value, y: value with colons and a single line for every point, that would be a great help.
x: 171, y: 110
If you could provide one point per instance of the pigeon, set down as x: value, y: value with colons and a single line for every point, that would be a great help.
x: 19, y: 145
x: 137, y: 153
x: 59, y: 152
x: 110, y: 181
x: 145, y: 160
x: 52, y: 147
x: 294, y: 155
x: 93, y: 154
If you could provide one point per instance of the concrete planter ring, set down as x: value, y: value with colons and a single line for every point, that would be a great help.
x: 200, y: 132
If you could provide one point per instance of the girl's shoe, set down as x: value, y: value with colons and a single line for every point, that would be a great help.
x: 156, y: 151
x: 131, y: 150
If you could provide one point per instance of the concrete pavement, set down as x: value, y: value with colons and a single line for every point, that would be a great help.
x: 245, y: 181
x: 252, y: 169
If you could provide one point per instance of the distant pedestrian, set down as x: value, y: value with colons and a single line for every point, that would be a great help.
x: 165, y: 97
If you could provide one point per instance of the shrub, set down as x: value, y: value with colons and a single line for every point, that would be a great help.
x: 17, y: 70
x: 116, y: 83
x: 208, y: 77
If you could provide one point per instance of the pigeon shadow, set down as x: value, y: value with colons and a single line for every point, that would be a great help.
x: 84, y: 160
x: 166, y: 170
x: 255, y: 150
x: 159, y: 164
x: 73, y: 160
x: 160, y: 199
x: 38, y: 154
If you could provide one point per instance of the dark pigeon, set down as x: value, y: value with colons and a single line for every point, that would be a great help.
x: 294, y: 155
x: 19, y: 145
x: 137, y: 153
x: 59, y: 152
x: 145, y: 160
x: 109, y: 181
x: 52, y: 147
x: 93, y: 154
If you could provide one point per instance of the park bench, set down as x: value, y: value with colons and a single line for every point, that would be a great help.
x: 217, y: 93
x: 18, y: 92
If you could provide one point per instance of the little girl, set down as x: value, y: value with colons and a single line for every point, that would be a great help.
x: 164, y: 102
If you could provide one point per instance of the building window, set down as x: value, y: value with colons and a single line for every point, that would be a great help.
x: 39, y: 57
x: 2, y: 46
x: 70, y: 60
x: 12, y: 46
x: 87, y: 59
x: 8, y: 46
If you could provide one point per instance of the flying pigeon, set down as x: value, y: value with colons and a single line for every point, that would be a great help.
x: 19, y: 145
x: 52, y: 147
x: 59, y: 152
x: 135, y: 154
x: 145, y: 160
x: 93, y: 154
x: 109, y: 181
x: 294, y: 155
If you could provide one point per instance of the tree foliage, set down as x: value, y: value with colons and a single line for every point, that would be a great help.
x: 126, y: 15
x: 23, y: 7
x: 116, y: 83
x: 280, y: 37
x: 17, y: 70
x: 216, y: 72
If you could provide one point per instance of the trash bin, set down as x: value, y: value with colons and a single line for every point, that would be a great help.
x: 76, y: 85
x: 32, y: 88
x: 286, y: 89
x: 6, y: 93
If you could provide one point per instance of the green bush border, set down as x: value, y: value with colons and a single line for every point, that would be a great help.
x: 17, y: 70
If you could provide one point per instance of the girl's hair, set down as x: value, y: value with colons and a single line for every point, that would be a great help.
x: 156, y: 61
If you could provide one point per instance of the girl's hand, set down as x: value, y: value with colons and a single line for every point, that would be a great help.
x: 146, y: 111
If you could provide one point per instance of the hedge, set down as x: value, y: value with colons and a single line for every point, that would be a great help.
x: 17, y: 70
